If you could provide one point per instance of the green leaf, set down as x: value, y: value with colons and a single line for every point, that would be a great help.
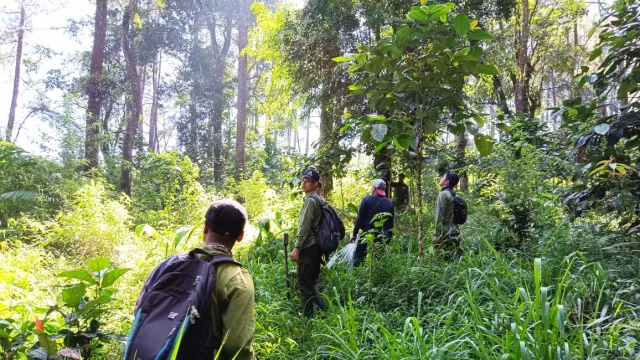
x: 602, y: 129
x: 353, y: 208
x: 503, y: 126
x: 72, y: 296
x: 419, y: 15
x: 475, y: 52
x: 382, y: 145
x: 183, y: 234
x: 80, y: 274
x: 379, y: 131
x: 48, y: 345
x: 479, y: 34
x: 484, y: 144
x: 461, y: 24
x: 341, y: 59
x: 109, y: 278
x: 488, y: 69
x: 144, y: 229
x: 402, y: 142
x: 596, y: 53
x: 98, y: 264
x: 402, y: 35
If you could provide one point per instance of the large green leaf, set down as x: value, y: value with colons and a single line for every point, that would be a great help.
x: 379, y: 131
x: 402, y: 35
x: 461, y: 24
x: 72, y: 296
x: 183, y: 234
x: 488, y: 69
x: 475, y: 52
x: 418, y: 14
x: 144, y: 229
x: 484, y: 144
x: 595, y: 53
x: 479, y: 34
x: 110, y: 277
x: 80, y: 274
x: 98, y: 264
x: 48, y: 345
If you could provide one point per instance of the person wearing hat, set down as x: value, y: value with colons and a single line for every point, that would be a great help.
x: 232, y: 297
x: 305, y: 252
x: 370, y: 208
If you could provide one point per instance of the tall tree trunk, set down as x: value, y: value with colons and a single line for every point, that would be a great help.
x: 500, y: 96
x: 153, y: 117
x: 96, y: 87
x: 306, y: 152
x: 242, y: 87
x: 522, y: 59
x: 16, y: 77
x: 461, y: 161
x: 134, y: 83
x: 418, y: 176
x: 325, y: 143
x: 217, y: 107
x: 140, y: 130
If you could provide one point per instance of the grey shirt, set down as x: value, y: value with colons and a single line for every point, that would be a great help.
x: 445, y: 225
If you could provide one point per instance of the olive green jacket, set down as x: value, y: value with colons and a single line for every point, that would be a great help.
x: 232, y: 304
x: 445, y: 226
x: 309, y: 223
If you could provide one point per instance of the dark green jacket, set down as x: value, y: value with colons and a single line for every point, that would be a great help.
x: 445, y: 226
x: 309, y: 224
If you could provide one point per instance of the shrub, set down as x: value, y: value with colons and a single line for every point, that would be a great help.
x: 92, y: 225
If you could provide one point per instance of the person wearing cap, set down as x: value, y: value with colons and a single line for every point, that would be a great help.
x: 232, y: 298
x: 370, y: 207
x: 305, y: 252
x: 447, y: 232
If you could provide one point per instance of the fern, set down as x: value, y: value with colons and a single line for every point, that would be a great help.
x: 26, y: 196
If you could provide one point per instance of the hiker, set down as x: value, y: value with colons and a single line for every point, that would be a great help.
x: 306, y: 252
x: 372, y: 205
x: 447, y: 232
x: 401, y: 198
x: 223, y: 299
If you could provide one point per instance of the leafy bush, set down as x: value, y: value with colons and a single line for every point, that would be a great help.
x: 92, y: 225
x: 166, y: 191
x: 252, y: 193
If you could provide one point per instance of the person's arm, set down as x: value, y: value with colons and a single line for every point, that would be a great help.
x: 238, y: 319
x: 440, y: 211
x: 357, y: 226
x: 305, y: 225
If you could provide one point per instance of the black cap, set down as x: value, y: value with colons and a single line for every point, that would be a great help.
x: 226, y: 218
x: 311, y: 174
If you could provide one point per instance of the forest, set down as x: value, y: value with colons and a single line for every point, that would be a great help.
x: 123, y: 120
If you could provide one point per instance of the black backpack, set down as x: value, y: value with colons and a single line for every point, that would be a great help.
x: 174, y: 316
x: 331, y: 230
x: 459, y: 209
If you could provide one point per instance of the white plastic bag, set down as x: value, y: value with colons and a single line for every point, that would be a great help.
x: 344, y: 256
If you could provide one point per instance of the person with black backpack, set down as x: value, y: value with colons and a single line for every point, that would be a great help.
x: 306, y: 252
x: 198, y: 304
x: 451, y: 211
x: 371, y: 209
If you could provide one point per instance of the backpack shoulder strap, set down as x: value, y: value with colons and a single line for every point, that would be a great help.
x: 213, y: 259
x: 453, y: 193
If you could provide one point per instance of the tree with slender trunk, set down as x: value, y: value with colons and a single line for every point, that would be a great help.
x: 96, y: 88
x: 16, y: 77
x: 522, y: 62
x: 153, y: 118
x: 241, y: 123
x: 135, y: 95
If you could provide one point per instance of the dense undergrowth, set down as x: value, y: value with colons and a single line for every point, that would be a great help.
x: 533, y: 283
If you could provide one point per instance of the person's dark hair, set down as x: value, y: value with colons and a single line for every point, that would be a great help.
x: 453, y: 179
x: 227, y: 219
x: 401, y: 176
